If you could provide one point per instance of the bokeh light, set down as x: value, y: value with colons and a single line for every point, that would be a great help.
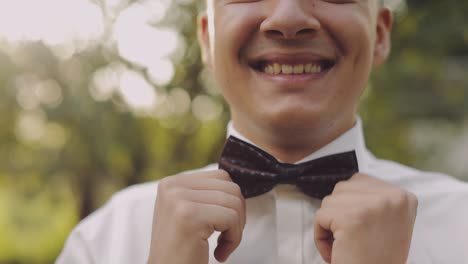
x: 31, y: 126
x: 205, y: 108
x: 57, y: 23
x: 60, y: 24
x: 105, y: 81
x: 99, y: 94
x: 136, y: 91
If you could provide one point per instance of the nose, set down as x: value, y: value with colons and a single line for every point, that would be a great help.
x: 290, y: 19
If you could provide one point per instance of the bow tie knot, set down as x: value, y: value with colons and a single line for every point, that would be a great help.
x: 257, y: 172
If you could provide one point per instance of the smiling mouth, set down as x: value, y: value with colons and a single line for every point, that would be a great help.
x: 276, y: 68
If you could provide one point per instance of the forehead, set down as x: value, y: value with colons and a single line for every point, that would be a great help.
x: 381, y: 3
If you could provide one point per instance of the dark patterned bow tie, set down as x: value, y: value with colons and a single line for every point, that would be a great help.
x: 257, y: 172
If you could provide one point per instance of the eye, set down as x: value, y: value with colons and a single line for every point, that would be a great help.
x: 241, y: 1
x: 339, y: 1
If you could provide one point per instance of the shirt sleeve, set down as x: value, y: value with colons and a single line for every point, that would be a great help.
x: 75, y: 251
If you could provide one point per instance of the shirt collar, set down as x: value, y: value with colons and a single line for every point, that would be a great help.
x: 353, y: 139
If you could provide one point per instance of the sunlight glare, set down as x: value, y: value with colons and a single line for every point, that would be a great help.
x: 140, y: 42
x: 105, y: 81
x: 180, y: 99
x: 204, y: 108
x: 31, y: 126
x: 67, y: 24
x: 146, y: 45
x: 25, y: 95
x: 161, y: 71
x: 136, y: 91
x: 49, y: 92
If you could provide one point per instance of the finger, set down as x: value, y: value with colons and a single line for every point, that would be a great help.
x: 224, y: 248
x: 213, y: 184
x: 226, y: 187
x: 209, y: 181
x: 219, y: 198
x: 323, y: 237
x: 324, y: 242
x: 361, y: 177
x: 219, y: 180
x: 213, y: 174
x: 343, y: 201
x: 226, y: 221
x: 360, y: 183
x: 197, y: 180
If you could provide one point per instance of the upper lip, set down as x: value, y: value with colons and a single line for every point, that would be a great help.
x: 290, y: 58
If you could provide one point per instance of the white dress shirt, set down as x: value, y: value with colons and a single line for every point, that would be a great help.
x: 279, y: 226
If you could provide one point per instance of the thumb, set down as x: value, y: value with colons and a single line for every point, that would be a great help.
x: 323, y: 241
x: 227, y: 243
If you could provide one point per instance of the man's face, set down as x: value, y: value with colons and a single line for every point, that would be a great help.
x: 297, y: 64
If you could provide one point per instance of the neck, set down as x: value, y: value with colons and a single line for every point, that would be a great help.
x: 292, y: 143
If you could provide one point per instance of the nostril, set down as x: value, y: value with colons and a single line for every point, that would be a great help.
x: 305, y: 31
x: 274, y: 33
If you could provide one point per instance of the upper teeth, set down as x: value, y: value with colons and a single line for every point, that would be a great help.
x: 277, y: 68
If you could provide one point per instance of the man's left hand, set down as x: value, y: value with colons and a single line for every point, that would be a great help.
x: 365, y: 221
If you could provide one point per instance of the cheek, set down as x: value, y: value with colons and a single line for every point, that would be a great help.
x: 235, y: 24
x: 350, y: 28
x: 352, y: 32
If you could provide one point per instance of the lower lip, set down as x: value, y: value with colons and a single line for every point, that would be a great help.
x: 293, y: 80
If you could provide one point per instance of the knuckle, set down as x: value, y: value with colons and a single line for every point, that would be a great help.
x: 224, y: 174
x: 391, y: 199
x: 163, y: 185
x: 238, y: 204
x: 361, y: 218
x: 319, y: 215
x: 384, y: 203
x: 413, y: 199
x: 339, y: 187
x: 229, y: 221
x: 239, y: 207
x: 358, y: 175
x: 326, y: 201
x: 166, y: 183
x: 174, y: 194
x: 237, y: 190
x: 224, y: 200
x: 232, y: 202
x: 169, y: 194
x: 400, y: 198
x: 234, y: 217
x: 236, y: 210
x: 183, y: 211
x: 366, y: 212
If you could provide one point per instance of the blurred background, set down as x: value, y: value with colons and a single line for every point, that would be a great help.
x: 99, y: 95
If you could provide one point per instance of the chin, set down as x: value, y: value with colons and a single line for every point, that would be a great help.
x: 292, y: 121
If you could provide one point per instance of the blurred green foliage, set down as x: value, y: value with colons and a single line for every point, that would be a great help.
x: 60, y: 161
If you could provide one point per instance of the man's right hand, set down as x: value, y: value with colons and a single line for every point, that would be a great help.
x: 189, y: 208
